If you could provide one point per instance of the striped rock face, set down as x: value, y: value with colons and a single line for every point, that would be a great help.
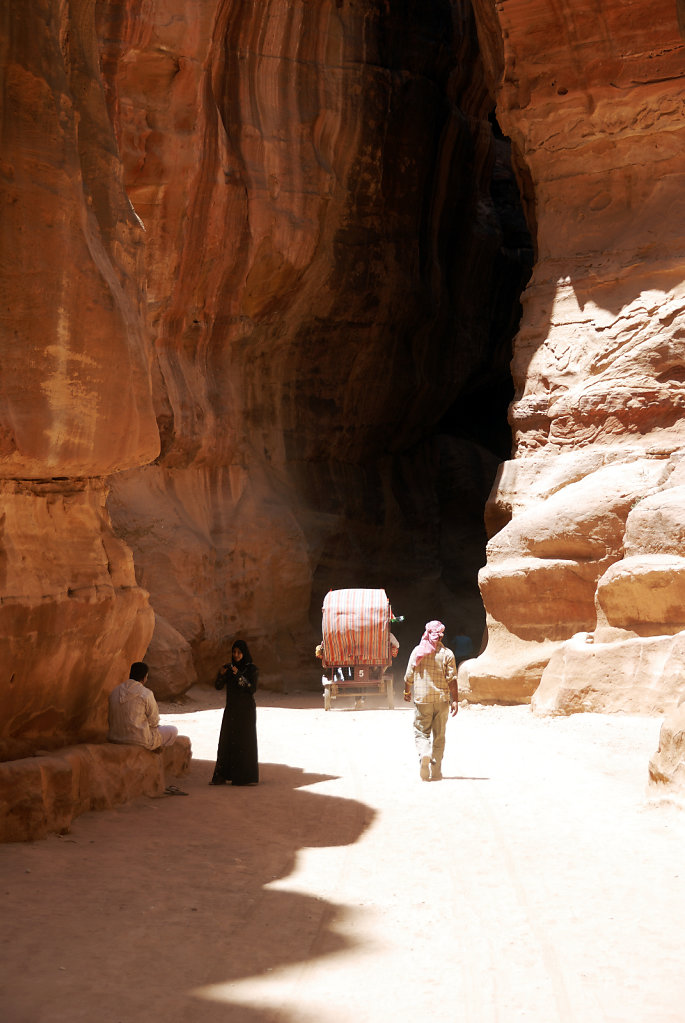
x: 253, y: 264
x: 251, y: 259
x: 314, y: 314
x: 75, y: 396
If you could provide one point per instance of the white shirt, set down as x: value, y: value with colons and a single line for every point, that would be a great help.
x: 134, y: 715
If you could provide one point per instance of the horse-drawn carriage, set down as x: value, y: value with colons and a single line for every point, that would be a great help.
x: 357, y: 646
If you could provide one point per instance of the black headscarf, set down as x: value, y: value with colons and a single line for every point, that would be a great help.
x: 243, y: 647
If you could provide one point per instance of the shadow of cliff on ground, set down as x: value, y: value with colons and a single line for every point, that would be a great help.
x: 113, y: 928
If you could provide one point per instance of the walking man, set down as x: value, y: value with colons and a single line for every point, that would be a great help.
x: 432, y: 672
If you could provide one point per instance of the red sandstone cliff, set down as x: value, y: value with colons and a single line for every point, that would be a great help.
x: 250, y: 268
x: 238, y: 243
x: 303, y: 171
x: 75, y: 393
x: 585, y: 579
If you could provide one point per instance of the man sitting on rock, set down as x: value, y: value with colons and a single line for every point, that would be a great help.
x: 134, y: 714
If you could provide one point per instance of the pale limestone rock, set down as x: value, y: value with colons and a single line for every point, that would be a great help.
x: 667, y: 766
x: 598, y: 361
x: 657, y: 524
x: 482, y: 680
x: 626, y: 673
x: 645, y: 594
x: 635, y: 658
x: 540, y: 582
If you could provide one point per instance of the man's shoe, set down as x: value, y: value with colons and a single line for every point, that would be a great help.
x: 436, y: 773
x: 425, y: 768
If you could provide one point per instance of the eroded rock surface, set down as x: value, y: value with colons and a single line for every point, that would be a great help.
x: 238, y: 243
x: 584, y: 580
x: 305, y: 298
x: 75, y: 393
x: 259, y: 290
x: 71, y: 617
x: 667, y: 766
x: 42, y: 794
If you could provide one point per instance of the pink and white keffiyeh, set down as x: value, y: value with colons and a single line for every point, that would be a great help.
x: 430, y: 639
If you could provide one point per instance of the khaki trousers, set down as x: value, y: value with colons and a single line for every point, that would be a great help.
x: 430, y: 722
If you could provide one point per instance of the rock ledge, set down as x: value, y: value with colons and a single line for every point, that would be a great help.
x: 43, y: 794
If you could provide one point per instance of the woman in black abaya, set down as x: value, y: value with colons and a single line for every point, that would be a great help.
x: 236, y: 758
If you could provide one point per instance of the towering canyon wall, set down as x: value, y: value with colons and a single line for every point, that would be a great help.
x: 314, y: 180
x: 72, y: 322
x: 585, y: 580
x: 250, y: 262
x: 255, y: 286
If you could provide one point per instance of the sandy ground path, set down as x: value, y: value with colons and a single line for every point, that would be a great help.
x: 536, y: 882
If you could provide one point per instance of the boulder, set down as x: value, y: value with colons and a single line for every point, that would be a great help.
x: 644, y: 593
x: 539, y: 585
x: 72, y: 617
x: 483, y: 680
x: 44, y: 793
x: 624, y: 673
x: 656, y: 525
x: 667, y: 766
x: 170, y: 660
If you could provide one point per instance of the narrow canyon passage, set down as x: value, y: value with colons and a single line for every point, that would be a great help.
x: 537, y: 881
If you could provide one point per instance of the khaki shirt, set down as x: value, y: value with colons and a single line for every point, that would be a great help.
x: 433, y: 675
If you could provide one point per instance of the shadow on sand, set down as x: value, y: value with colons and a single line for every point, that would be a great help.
x: 157, y: 908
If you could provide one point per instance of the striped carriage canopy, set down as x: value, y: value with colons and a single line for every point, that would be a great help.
x: 356, y: 627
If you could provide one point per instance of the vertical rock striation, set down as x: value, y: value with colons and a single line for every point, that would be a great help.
x: 584, y: 582
x: 72, y: 321
x: 314, y: 180
x: 259, y: 269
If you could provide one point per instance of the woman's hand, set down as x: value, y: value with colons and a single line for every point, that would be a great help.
x: 220, y: 680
